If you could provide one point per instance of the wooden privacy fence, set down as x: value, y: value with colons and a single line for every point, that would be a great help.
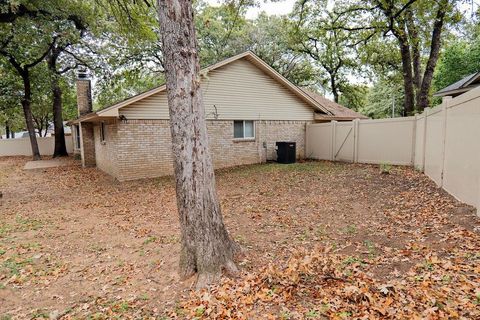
x: 443, y: 142
x: 22, y: 147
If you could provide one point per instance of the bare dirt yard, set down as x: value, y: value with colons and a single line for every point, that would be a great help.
x: 322, y: 240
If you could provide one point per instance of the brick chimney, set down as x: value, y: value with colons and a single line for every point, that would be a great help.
x: 84, y: 93
x: 84, y: 105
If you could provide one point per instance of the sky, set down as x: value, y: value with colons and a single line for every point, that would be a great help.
x: 271, y: 8
x: 282, y: 7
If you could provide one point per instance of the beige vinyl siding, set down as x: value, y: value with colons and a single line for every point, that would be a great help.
x: 153, y: 107
x: 240, y: 91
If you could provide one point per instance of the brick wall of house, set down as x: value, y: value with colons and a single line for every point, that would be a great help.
x: 106, y: 152
x: 143, y: 147
x: 291, y: 131
x: 227, y: 152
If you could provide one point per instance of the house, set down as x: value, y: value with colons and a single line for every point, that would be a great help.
x: 249, y: 107
x: 460, y: 87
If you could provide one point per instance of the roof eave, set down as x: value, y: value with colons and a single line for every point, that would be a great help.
x: 91, y: 117
x: 82, y: 118
x: 338, y: 118
x: 451, y: 92
x: 472, y: 79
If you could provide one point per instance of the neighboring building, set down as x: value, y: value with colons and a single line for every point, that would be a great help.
x: 50, y: 132
x: 249, y: 107
x: 51, y: 129
x: 461, y: 86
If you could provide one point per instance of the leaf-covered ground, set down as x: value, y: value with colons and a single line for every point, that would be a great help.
x: 321, y: 240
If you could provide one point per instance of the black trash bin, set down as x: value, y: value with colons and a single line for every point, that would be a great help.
x: 286, y: 152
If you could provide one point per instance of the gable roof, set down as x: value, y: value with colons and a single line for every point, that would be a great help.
x: 322, y: 106
x: 461, y: 86
x: 250, y: 56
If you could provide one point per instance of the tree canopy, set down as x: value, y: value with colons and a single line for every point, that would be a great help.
x: 363, y: 54
x: 460, y: 58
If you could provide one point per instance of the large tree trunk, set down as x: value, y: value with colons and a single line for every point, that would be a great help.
x: 206, y: 247
x: 416, y: 55
x: 333, y: 84
x: 436, y: 42
x: 7, y: 130
x: 60, y: 146
x: 27, y: 111
x: 409, y: 100
x: 398, y: 26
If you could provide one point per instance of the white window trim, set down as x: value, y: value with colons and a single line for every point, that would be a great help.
x: 244, y: 138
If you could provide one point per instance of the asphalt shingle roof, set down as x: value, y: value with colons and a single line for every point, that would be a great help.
x: 460, y: 84
x: 336, y: 109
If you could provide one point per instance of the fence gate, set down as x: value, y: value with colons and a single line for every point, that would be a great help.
x: 344, y: 141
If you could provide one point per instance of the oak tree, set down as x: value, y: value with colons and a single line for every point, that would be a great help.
x: 418, y: 28
x: 18, y: 56
x: 323, y: 37
x: 206, y: 246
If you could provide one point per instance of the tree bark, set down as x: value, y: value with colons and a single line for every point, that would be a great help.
x: 436, y: 42
x: 398, y: 24
x: 206, y: 247
x: 60, y: 145
x: 409, y: 100
x: 333, y: 84
x: 24, y: 73
x: 7, y: 130
x: 27, y: 111
x: 416, y: 55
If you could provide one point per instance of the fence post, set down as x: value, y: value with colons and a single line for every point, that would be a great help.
x: 334, y: 133
x: 306, y: 142
x: 355, y: 140
x: 445, y: 101
x: 424, y: 142
x: 414, y: 139
x: 478, y: 197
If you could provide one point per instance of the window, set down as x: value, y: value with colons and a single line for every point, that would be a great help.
x: 102, y: 132
x: 77, y: 136
x: 243, y: 129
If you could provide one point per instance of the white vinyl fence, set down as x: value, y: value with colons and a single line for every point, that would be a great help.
x: 443, y: 142
x: 22, y: 147
x: 365, y: 141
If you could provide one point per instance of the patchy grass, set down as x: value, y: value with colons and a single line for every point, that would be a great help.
x: 321, y: 240
x: 14, y: 265
x: 19, y: 225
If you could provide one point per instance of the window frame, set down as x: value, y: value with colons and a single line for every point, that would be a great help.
x: 243, y: 138
x: 102, y: 133
x: 77, y: 137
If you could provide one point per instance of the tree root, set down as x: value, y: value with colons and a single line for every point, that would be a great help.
x: 231, y: 269
x: 205, y: 279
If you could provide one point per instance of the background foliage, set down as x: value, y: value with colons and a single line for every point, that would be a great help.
x: 336, y: 48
